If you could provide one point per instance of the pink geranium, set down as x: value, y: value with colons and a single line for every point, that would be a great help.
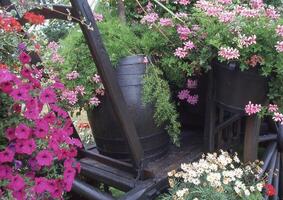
x: 252, y: 108
x: 183, y: 94
x: 229, y: 53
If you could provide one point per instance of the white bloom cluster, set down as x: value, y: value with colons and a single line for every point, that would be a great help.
x: 219, y: 172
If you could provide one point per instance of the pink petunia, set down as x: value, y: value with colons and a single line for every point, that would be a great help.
x: 24, y: 58
x: 10, y: 134
x: 41, y: 185
x: 48, y: 96
x: 25, y: 146
x: 6, y: 87
x: 20, y: 94
x: 22, y: 131
x: 5, y: 76
x: 69, y: 176
x: 44, y: 158
x: 7, y: 155
x: 5, y: 172
x: 17, y: 183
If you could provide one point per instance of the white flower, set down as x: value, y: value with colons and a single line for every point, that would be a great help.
x: 182, y: 192
x: 259, y: 187
x: 252, y: 188
x: 247, y: 192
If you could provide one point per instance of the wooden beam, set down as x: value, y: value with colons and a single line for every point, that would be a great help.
x: 107, y: 73
x: 251, y: 138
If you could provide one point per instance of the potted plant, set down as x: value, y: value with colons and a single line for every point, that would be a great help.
x: 218, y: 176
x: 241, y: 42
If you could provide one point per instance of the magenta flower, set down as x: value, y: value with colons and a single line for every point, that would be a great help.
x: 69, y: 176
x: 7, y: 155
x: 183, y: 94
x: 5, y: 76
x: 22, y: 131
x: 20, y: 94
x: 44, y: 158
x: 48, y: 96
x: 5, y: 172
x: 189, y: 45
x: 24, y: 58
x: 10, y: 134
x: 183, y: 32
x: 6, y: 87
x: 17, y: 183
x: 41, y: 185
x: 25, y: 146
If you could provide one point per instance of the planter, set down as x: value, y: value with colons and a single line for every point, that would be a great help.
x: 192, y: 116
x: 235, y: 88
x: 106, y: 130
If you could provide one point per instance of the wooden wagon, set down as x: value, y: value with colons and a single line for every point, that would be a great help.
x: 224, y: 128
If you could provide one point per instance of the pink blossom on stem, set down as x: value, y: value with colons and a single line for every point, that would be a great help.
x: 180, y: 52
x: 225, y: 1
x: 226, y: 16
x: 70, y: 96
x: 252, y: 108
x: 192, y: 99
x: 53, y: 46
x: 279, y: 30
x: 98, y: 17
x: 247, y: 41
x: 183, y: 94
x: 278, y: 117
x: 80, y: 89
x: 229, y: 53
x: 94, y: 101
x: 247, y: 12
x: 192, y: 84
x: 272, y: 108
x: 272, y: 13
x: 182, y: 2
x: 256, y: 4
x: 165, y: 22
x: 183, y: 32
x: 214, y: 10
x: 279, y: 46
x: 189, y: 45
x: 96, y: 78
x: 73, y: 75
x: 149, y: 18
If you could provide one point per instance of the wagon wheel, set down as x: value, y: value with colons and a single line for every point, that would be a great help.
x: 272, y: 145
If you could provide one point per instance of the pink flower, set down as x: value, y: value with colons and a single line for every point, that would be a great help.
x: 10, y: 134
x: 24, y: 58
x: 192, y: 99
x: 229, y: 53
x: 17, y: 183
x: 256, y: 4
x: 44, y: 158
x: 100, y: 91
x: 214, y: 10
x: 226, y: 16
x: 94, y: 101
x: 247, y: 12
x: 165, y: 22
x: 96, y: 78
x: 279, y: 30
x: 278, y: 117
x: 41, y: 185
x: 225, y: 1
x: 149, y: 18
x: 7, y: 155
x: 272, y: 108
x: 98, y: 17
x: 254, y: 60
x: 183, y: 2
x: 252, y: 108
x: 192, y: 84
x: 272, y: 13
x: 180, y: 52
x: 189, y: 45
x: 183, y: 94
x: 279, y: 46
x: 6, y: 87
x: 53, y: 46
x: 247, y: 41
x: 70, y: 96
x: 20, y: 94
x: 48, y: 96
x: 5, y: 76
x: 5, y: 172
x: 25, y: 146
x: 55, y: 57
x: 145, y: 60
x: 41, y: 129
x: 73, y: 75
x: 80, y: 89
x: 183, y: 32
x: 69, y: 176
x: 22, y: 131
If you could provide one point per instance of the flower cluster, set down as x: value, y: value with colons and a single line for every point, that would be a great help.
x: 185, y: 94
x: 33, y: 18
x: 9, y: 24
x: 218, y: 176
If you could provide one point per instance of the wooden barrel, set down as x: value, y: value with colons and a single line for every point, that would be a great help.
x: 106, y: 130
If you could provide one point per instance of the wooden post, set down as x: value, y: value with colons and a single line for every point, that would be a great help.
x: 122, y: 11
x: 209, y: 134
x: 251, y: 138
x: 109, y: 79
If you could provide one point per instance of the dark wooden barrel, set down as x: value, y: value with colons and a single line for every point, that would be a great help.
x: 106, y: 130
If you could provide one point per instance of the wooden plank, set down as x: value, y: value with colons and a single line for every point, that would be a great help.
x: 228, y: 122
x: 209, y: 134
x: 251, y: 138
x: 109, y: 80
x: 89, y: 192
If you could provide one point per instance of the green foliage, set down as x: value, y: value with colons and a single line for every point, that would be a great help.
x: 156, y: 91
x: 56, y: 30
